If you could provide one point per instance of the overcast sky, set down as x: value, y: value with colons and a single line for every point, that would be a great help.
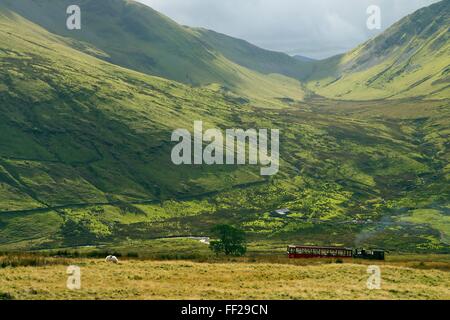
x: 313, y: 28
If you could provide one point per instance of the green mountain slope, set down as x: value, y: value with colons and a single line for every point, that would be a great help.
x: 136, y: 37
x: 410, y: 59
x: 304, y: 59
x: 253, y: 57
x: 85, y: 158
x: 60, y: 106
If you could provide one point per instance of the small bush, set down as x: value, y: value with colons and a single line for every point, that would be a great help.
x: 102, y: 254
x: 68, y: 254
x: 132, y: 255
x: 6, y: 296
x: 28, y: 260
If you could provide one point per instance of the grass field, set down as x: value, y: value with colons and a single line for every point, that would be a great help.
x: 403, y: 277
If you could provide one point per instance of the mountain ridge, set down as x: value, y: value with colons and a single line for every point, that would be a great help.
x: 409, y: 59
x: 137, y: 37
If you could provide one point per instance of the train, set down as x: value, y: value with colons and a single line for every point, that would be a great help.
x: 304, y: 252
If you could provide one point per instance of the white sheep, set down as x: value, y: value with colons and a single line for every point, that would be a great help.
x: 112, y: 259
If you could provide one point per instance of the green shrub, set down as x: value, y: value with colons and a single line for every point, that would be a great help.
x: 6, y: 296
x: 231, y: 241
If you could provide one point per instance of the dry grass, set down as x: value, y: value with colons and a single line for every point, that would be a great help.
x: 29, y: 260
x: 135, y: 279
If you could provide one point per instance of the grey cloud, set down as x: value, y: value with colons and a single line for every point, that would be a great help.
x: 314, y: 28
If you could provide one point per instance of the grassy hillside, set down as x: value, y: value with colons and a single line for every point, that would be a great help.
x: 136, y: 37
x: 253, y: 57
x: 63, y: 110
x: 410, y: 59
x: 86, y: 158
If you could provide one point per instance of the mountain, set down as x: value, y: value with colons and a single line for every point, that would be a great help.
x: 253, y: 57
x: 410, y: 59
x: 136, y: 37
x: 304, y: 59
x: 80, y: 131
x: 79, y: 128
x: 85, y: 155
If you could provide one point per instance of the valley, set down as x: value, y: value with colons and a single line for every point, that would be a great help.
x: 86, y: 135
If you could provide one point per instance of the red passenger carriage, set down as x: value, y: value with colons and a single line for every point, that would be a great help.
x: 297, y: 252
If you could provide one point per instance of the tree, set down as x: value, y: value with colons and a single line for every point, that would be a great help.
x: 231, y: 241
